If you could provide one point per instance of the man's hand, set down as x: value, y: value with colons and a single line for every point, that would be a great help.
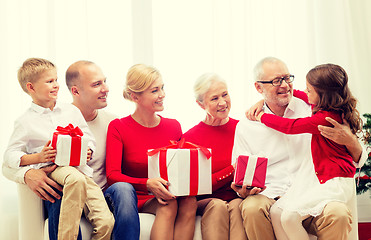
x: 245, y: 190
x: 341, y: 134
x: 38, y: 181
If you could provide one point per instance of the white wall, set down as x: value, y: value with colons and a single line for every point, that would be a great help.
x: 183, y: 39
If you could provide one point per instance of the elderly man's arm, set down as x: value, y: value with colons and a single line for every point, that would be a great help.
x: 341, y: 134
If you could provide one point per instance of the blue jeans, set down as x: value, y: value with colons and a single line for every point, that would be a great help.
x: 52, y: 210
x: 122, y: 201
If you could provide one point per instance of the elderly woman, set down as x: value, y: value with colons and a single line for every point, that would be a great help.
x: 129, y: 139
x: 221, y: 217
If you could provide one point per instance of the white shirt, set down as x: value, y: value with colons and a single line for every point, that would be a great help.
x: 35, y: 127
x: 288, y: 155
x: 284, y: 152
x: 99, y: 127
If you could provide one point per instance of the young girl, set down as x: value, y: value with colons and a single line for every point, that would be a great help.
x: 328, y: 92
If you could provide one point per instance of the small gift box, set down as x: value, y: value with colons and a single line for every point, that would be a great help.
x: 71, y: 146
x: 251, y: 171
x: 186, y: 166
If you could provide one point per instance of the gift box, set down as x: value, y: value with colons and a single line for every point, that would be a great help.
x: 186, y: 166
x: 251, y: 171
x: 71, y: 146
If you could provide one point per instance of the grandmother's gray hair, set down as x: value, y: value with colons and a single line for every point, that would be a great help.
x: 203, y: 84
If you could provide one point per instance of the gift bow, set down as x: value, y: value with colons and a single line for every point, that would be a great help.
x: 182, y: 144
x: 70, y: 130
x: 76, y: 134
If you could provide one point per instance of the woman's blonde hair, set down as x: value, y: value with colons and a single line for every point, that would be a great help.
x: 31, y: 70
x: 139, y: 78
x: 203, y: 84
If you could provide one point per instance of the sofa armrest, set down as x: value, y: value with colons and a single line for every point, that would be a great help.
x: 31, y: 214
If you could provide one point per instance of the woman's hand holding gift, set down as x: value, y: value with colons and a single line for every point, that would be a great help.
x: 157, y: 186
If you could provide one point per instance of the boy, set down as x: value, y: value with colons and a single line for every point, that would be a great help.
x: 30, y: 145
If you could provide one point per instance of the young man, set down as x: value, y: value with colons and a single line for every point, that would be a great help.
x: 29, y: 145
x: 87, y: 85
x: 287, y: 157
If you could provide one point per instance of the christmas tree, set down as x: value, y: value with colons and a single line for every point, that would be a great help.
x: 364, y: 180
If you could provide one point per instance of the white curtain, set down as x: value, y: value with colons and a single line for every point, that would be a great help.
x: 183, y: 39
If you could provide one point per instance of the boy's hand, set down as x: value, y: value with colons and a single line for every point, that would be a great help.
x: 47, y: 154
x: 89, y: 154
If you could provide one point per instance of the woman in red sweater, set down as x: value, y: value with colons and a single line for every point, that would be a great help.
x: 328, y: 92
x: 129, y: 139
x: 221, y: 216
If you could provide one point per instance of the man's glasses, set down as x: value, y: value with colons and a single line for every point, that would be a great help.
x: 278, y: 80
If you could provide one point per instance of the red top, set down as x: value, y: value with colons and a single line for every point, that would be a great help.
x: 329, y: 158
x: 127, y: 145
x: 220, y: 139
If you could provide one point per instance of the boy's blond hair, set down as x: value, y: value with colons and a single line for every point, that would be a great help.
x: 31, y: 69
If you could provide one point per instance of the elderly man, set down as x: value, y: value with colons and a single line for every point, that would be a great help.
x: 89, y: 90
x: 287, y: 157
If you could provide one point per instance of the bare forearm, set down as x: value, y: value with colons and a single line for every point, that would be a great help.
x: 29, y: 159
x: 355, y: 149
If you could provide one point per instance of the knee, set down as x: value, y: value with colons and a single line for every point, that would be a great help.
x: 168, y: 211
x: 250, y: 209
x: 275, y: 212
x: 187, y: 207
x: 123, y: 187
x: 289, y: 218
x: 338, y: 214
x: 219, y: 207
x: 121, y: 198
x: 122, y: 190
x: 75, y: 178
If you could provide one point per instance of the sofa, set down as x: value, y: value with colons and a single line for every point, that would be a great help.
x: 34, y: 226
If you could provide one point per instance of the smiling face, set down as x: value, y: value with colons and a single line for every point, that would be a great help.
x: 216, y: 101
x: 92, y: 87
x: 151, y: 99
x: 44, y: 90
x: 313, y: 97
x: 275, y: 96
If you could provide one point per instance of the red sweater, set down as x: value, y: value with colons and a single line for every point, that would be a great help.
x: 329, y: 158
x: 127, y: 145
x: 220, y: 140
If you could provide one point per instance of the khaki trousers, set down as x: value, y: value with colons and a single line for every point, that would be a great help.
x: 221, y: 220
x: 333, y: 224
x: 81, y: 193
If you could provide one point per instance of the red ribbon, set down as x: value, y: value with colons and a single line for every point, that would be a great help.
x: 76, y: 134
x: 193, y: 185
x: 365, y: 177
x: 182, y: 144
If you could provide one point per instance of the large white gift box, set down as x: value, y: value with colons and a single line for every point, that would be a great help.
x: 187, y: 170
